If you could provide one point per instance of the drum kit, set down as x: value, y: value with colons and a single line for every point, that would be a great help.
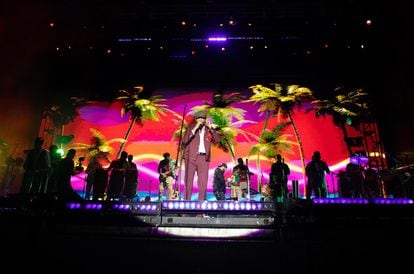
x: 364, y: 180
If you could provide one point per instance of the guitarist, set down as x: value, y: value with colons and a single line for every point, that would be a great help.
x: 166, y: 169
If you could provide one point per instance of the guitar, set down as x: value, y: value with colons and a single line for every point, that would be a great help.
x: 164, y: 175
x: 168, y: 173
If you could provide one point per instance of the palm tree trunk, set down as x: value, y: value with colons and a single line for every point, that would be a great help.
x: 258, y: 166
x: 131, y: 126
x: 233, y: 156
x: 259, y: 178
x: 301, y: 154
x: 62, y: 130
x: 266, y: 121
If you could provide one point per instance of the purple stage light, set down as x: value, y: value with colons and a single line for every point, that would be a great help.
x: 393, y: 201
x: 217, y: 39
x: 94, y: 206
x: 359, y: 159
x: 340, y: 201
x: 73, y: 205
x: 219, y: 205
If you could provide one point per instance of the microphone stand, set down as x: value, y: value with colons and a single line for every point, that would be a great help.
x: 180, y: 143
x: 248, y: 179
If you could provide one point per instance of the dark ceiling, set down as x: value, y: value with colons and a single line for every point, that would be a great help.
x: 107, y: 45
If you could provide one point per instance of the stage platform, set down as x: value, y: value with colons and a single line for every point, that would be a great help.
x: 200, y: 219
x: 303, y: 236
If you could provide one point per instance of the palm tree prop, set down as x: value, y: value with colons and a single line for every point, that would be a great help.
x: 140, y: 108
x: 281, y: 101
x: 345, y: 107
x: 98, y: 145
x: 61, y: 114
x: 222, y: 115
x: 271, y: 143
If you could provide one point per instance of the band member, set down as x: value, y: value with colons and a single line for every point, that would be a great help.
x: 65, y: 169
x: 197, y: 141
x: 131, y: 179
x: 279, y: 172
x: 36, y: 169
x: 237, y: 193
x: 315, y: 171
x: 97, y: 177
x: 219, y: 182
x: 355, y: 181
x: 241, y: 175
x: 166, y: 169
x: 117, y: 177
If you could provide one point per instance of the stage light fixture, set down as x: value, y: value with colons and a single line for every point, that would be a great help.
x: 340, y: 201
x: 217, y: 39
x: 218, y: 206
x: 393, y: 201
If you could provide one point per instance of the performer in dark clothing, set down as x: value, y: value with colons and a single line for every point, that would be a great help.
x: 355, y: 184
x: 131, y: 179
x: 97, y: 176
x: 64, y: 171
x: 315, y: 171
x: 166, y: 169
x: 37, y: 167
x: 197, y: 141
x: 117, y: 177
x: 241, y: 179
x: 279, y: 173
x: 219, y: 182
x: 55, y: 158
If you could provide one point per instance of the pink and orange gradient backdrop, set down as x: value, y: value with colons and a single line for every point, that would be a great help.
x: 148, y: 142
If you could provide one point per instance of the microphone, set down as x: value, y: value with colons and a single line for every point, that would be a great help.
x: 201, y: 125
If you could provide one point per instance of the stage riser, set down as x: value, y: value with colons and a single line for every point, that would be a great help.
x: 229, y: 221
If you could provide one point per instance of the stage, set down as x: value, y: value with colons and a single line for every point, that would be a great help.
x: 302, y: 236
x: 201, y: 219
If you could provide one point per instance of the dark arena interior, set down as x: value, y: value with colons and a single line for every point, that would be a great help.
x: 102, y: 104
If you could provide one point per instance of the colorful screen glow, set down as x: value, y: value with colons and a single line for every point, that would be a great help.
x: 148, y: 142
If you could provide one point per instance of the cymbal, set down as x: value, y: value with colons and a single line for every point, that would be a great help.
x: 359, y: 159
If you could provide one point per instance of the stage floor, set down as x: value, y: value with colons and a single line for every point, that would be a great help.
x: 38, y: 233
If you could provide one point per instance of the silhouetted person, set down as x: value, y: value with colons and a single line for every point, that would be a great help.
x: 97, y: 177
x: 315, y: 171
x: 355, y: 177
x: 197, y: 141
x: 55, y: 158
x: 219, y: 182
x: 117, y: 170
x: 36, y: 166
x: 372, y: 188
x: 13, y: 172
x: 64, y: 171
x: 131, y: 179
x: 166, y: 169
x: 241, y: 179
x: 279, y: 172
